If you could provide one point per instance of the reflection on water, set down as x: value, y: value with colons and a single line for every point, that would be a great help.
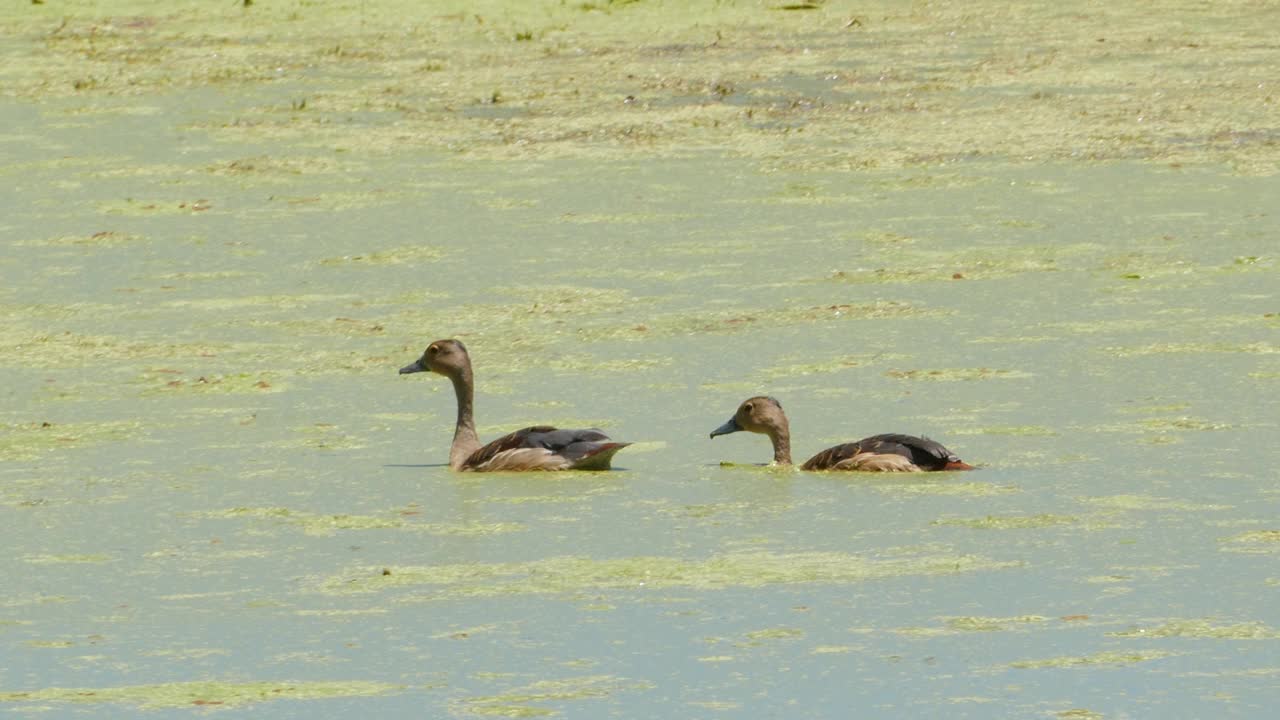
x: 218, y: 492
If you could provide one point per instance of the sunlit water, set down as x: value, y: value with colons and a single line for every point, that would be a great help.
x: 218, y: 493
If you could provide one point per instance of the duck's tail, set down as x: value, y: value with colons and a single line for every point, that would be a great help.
x: 598, y: 457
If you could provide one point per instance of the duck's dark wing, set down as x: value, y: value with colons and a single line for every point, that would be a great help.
x: 543, y: 447
x: 926, y: 454
x: 832, y: 456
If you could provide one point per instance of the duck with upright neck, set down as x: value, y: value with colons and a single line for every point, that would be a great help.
x: 879, y: 453
x: 540, y: 447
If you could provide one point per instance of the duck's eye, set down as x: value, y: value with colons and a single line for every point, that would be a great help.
x: 432, y: 350
x: 747, y: 407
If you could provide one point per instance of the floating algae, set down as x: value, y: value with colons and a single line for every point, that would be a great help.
x: 187, y: 694
x: 1111, y: 658
x: 391, y: 256
x: 233, y: 384
x: 1148, y: 502
x: 834, y: 365
x: 734, y: 321
x: 768, y: 635
x: 1014, y: 430
x: 957, y: 374
x: 991, y: 624
x: 1203, y: 629
x: 933, y: 487
x: 775, y: 195
x: 1255, y: 348
x: 571, y: 574
x: 102, y: 239
x: 1010, y: 522
x: 67, y: 559
x: 1253, y: 542
x: 31, y: 440
x: 1182, y: 423
x: 515, y: 702
x: 833, y: 649
x: 72, y: 350
x: 957, y: 625
x: 317, y: 524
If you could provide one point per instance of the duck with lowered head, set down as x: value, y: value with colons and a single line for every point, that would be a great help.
x: 884, y: 453
x: 540, y: 447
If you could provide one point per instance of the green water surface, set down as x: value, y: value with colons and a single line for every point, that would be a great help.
x: 1045, y: 235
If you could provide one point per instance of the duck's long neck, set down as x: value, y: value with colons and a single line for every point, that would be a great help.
x: 780, y: 436
x: 465, y: 440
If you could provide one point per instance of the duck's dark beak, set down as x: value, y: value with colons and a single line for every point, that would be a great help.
x: 413, y: 367
x: 730, y: 427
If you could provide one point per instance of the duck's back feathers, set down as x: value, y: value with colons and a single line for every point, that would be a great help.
x: 890, y: 452
x: 543, y: 447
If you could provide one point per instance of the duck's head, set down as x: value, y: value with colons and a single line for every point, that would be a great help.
x: 445, y: 357
x: 760, y: 414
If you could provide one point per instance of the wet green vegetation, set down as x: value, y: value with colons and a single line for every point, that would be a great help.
x: 1111, y: 658
x: 313, y: 524
x: 198, y: 694
x: 516, y: 702
x: 28, y: 441
x: 1203, y: 629
x: 1040, y: 234
x: 571, y: 576
x: 1046, y: 83
x: 1254, y: 541
x: 1011, y: 523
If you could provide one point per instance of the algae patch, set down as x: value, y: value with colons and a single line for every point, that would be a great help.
x: 234, y: 384
x: 102, y: 239
x: 135, y: 207
x: 31, y: 440
x: 925, y: 266
x: 1010, y: 522
x: 961, y: 489
x: 1147, y: 502
x: 761, y: 637
x: 318, y: 524
x: 957, y: 374
x: 392, y: 256
x: 829, y: 366
x: 186, y: 694
x: 578, y: 363
x: 1254, y: 541
x: 1182, y: 423
x: 832, y: 649
x: 515, y: 702
x: 972, y: 624
x: 1111, y: 658
x: 1012, y: 430
x: 717, y: 322
x: 574, y: 574
x: 1203, y: 629
x: 991, y: 624
x: 1257, y: 348
x: 66, y: 349
x: 66, y: 559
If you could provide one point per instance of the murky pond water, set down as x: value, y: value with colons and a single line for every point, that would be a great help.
x: 1047, y: 238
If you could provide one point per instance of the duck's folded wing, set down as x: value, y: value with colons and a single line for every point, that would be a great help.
x: 926, y: 453
x: 831, y: 457
x: 543, y: 447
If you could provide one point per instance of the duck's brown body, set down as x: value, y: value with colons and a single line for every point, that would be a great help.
x: 543, y: 447
x: 540, y: 447
x: 878, y: 453
x: 888, y: 452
